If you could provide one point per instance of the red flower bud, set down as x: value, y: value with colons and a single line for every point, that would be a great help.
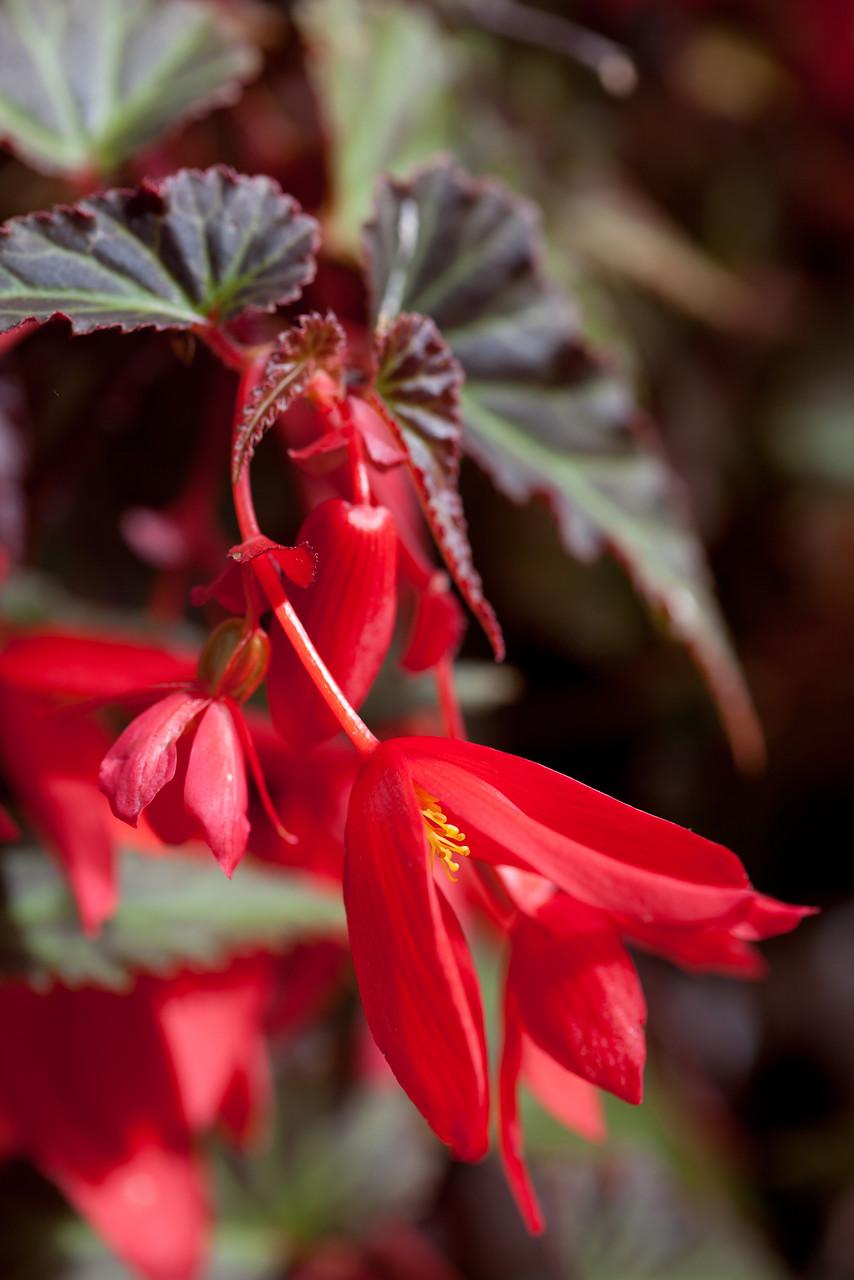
x: 348, y: 611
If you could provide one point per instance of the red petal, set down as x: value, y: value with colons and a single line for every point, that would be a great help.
x: 95, y: 1103
x: 212, y: 1023
x: 571, y: 1100
x: 509, y: 1128
x: 298, y: 563
x: 768, y: 917
x: 589, y: 817
x: 69, y: 664
x: 703, y: 951
x: 215, y: 791
x: 348, y: 611
x: 437, y: 628
x: 498, y: 832
x: 151, y: 1209
x: 578, y: 995
x: 415, y: 980
x: 52, y: 763
x: 143, y: 758
x: 73, y: 814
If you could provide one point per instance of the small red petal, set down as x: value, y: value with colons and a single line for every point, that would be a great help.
x: 768, y: 917
x: 578, y: 995
x: 144, y: 757
x: 437, y: 628
x: 700, y: 951
x: 215, y: 791
x: 509, y: 1127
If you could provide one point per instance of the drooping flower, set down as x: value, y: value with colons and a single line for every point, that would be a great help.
x: 197, y: 740
x: 593, y: 870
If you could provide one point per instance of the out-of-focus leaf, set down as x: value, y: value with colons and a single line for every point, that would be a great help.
x: 316, y: 342
x: 811, y: 422
x: 195, y: 249
x: 85, y: 83
x: 382, y: 73
x: 331, y: 1175
x: 625, y: 1216
x: 544, y: 413
x: 239, y: 1251
x: 418, y: 384
x: 174, y: 911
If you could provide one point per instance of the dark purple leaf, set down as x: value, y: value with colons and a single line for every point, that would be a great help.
x: 543, y: 412
x: 418, y: 383
x: 86, y: 83
x: 197, y: 248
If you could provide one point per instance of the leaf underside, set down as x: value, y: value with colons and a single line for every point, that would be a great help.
x: 316, y: 342
x: 543, y: 412
x: 174, y: 912
x: 418, y: 385
x: 197, y: 248
x: 86, y: 83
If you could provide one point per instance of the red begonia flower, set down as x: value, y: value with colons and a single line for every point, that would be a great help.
x: 348, y: 611
x: 196, y: 737
x: 605, y: 869
x: 105, y: 1091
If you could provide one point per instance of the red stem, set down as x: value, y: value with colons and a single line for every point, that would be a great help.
x: 229, y: 352
x: 268, y: 576
x: 449, y: 703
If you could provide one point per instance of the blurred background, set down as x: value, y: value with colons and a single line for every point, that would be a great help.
x: 694, y: 161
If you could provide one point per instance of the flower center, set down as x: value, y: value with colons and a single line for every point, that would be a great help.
x: 443, y: 837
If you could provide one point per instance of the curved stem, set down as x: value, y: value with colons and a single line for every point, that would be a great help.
x: 268, y: 576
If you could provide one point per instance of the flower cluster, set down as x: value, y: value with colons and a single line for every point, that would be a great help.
x: 424, y: 837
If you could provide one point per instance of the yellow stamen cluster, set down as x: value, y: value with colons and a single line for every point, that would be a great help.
x: 443, y: 837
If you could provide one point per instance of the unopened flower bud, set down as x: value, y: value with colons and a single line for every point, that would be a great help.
x: 234, y: 660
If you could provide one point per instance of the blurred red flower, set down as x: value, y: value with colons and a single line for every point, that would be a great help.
x: 104, y: 1091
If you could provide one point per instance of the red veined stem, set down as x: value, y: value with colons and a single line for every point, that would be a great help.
x: 352, y: 724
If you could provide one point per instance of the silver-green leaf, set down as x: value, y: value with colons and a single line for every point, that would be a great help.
x: 174, y: 912
x: 86, y: 83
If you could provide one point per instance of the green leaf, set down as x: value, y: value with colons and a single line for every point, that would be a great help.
x: 86, y: 83
x: 315, y: 343
x: 418, y: 394
x: 543, y: 412
x: 195, y: 249
x: 174, y: 911
x: 383, y: 75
